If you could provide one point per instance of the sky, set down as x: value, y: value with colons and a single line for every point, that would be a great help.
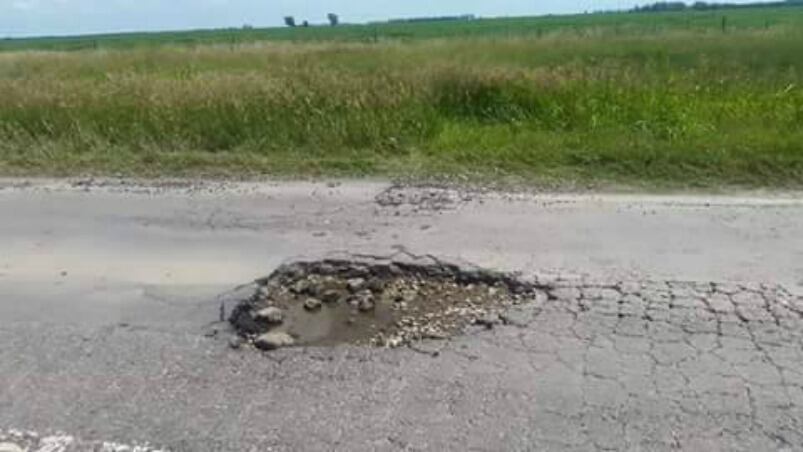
x: 69, y: 17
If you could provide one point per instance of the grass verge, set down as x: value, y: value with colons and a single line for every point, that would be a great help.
x: 677, y: 108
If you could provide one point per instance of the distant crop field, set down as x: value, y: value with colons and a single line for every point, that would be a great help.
x: 582, y: 24
x: 656, y: 99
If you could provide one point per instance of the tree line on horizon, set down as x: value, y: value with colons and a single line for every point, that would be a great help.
x: 334, y: 20
x: 705, y: 6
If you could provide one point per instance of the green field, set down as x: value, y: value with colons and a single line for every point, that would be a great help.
x: 649, y: 99
x: 582, y: 24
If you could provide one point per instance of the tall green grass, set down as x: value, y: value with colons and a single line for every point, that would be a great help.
x: 670, y: 107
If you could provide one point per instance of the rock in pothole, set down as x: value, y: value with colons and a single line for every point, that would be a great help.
x: 270, y: 315
x: 274, y: 340
x: 371, y: 301
x: 10, y: 447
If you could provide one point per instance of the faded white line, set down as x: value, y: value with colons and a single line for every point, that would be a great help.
x: 15, y: 440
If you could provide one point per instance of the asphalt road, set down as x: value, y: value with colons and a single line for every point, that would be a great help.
x: 669, y: 323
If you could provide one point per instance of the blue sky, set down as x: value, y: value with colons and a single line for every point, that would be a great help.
x: 64, y: 17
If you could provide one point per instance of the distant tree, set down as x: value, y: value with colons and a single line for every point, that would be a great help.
x: 334, y: 20
x: 464, y: 17
x: 702, y: 5
x: 661, y: 7
x: 305, y: 23
x: 290, y: 21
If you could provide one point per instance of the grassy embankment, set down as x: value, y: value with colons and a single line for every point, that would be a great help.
x: 624, y: 101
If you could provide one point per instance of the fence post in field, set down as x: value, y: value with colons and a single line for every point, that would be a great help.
x: 724, y: 24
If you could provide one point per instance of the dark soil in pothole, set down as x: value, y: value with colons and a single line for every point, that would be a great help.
x: 391, y: 303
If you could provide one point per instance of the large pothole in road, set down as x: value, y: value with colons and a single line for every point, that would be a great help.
x: 372, y: 302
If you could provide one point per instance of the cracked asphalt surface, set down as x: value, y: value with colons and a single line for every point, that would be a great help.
x: 688, y: 339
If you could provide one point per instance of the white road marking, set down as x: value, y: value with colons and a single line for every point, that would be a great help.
x: 30, y: 441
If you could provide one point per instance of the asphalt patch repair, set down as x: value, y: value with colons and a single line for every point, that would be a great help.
x: 373, y: 302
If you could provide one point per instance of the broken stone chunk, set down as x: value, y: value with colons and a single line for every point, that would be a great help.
x: 489, y: 321
x: 235, y: 342
x: 271, y: 315
x: 301, y: 286
x: 355, y: 284
x: 330, y: 296
x: 10, y: 447
x: 312, y: 304
x: 366, y: 304
x: 376, y: 285
x: 273, y: 341
x: 394, y: 342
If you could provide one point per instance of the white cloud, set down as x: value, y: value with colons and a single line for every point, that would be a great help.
x: 24, y: 5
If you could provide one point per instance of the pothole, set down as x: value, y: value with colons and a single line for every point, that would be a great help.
x: 372, y: 302
x: 412, y: 199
